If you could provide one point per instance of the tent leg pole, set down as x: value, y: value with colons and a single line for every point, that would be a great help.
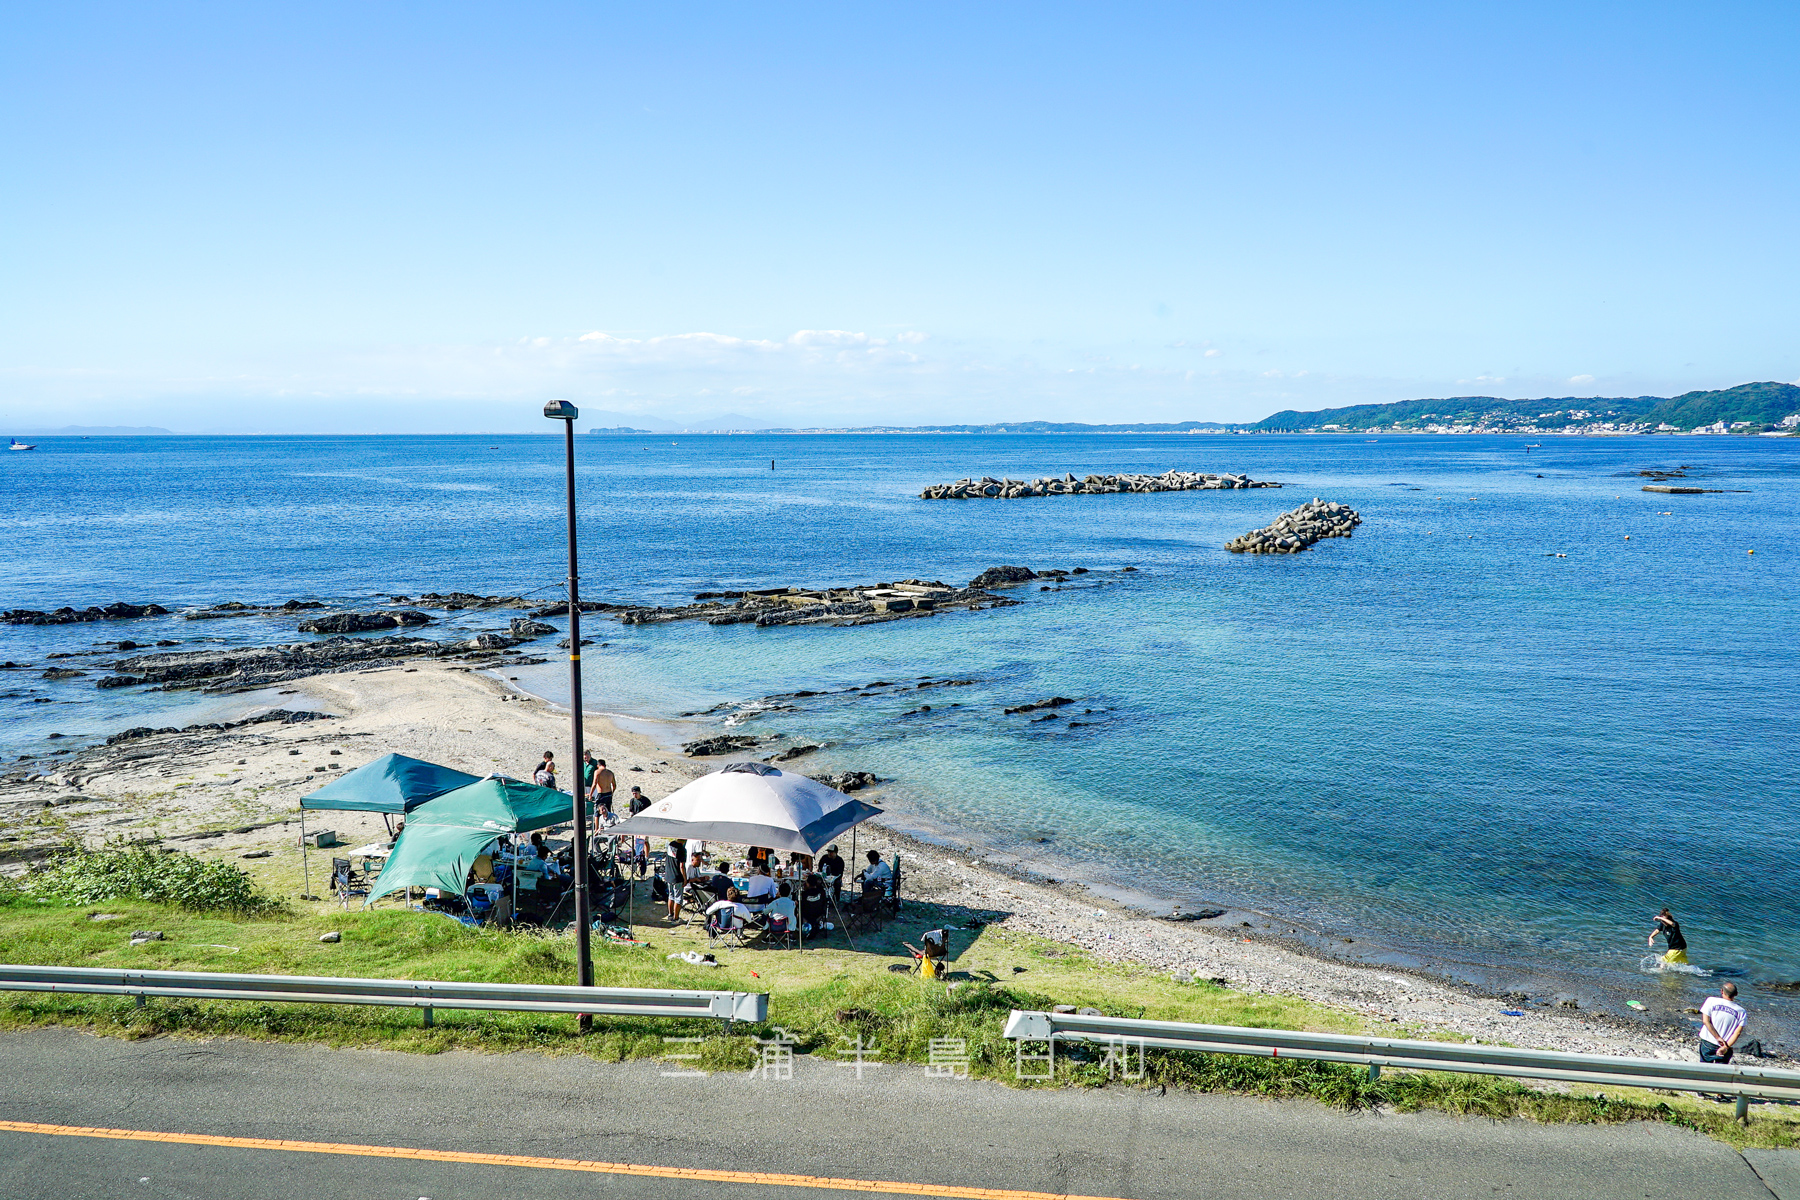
x: 305, y: 867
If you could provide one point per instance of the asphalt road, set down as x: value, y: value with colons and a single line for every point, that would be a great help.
x: 894, y: 1125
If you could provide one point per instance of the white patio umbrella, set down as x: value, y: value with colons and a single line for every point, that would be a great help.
x: 752, y: 804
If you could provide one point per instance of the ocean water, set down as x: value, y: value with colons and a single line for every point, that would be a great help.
x: 1524, y: 707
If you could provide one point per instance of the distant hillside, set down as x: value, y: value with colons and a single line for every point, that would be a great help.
x: 1760, y: 404
x: 1047, y: 427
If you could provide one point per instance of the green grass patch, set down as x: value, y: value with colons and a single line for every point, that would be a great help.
x: 825, y: 999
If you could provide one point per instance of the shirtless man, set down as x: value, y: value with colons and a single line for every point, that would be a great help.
x: 604, y: 783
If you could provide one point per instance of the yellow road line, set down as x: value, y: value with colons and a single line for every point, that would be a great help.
x: 695, y: 1174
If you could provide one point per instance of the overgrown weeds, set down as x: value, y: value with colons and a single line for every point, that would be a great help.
x: 80, y: 875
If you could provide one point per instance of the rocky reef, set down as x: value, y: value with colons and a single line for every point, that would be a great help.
x: 354, y: 622
x: 990, y: 488
x: 69, y: 616
x: 1298, y: 529
x: 860, y: 605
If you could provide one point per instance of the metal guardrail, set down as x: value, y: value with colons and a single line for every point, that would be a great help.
x: 426, y: 994
x: 1744, y: 1083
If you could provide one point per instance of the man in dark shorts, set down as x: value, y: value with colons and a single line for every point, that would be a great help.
x: 601, y: 784
x: 1722, y: 1022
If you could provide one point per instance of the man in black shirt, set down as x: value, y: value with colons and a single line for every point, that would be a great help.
x: 831, y: 866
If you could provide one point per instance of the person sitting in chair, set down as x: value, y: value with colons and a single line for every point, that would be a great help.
x: 782, y: 907
x: 762, y: 887
x: 720, y: 913
x: 877, y: 875
x: 717, y: 882
x: 813, y: 905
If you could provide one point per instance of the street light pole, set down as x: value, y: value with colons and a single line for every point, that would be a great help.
x: 562, y: 410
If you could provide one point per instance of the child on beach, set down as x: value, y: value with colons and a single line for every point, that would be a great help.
x: 1671, y: 929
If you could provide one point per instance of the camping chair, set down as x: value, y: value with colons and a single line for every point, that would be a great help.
x: 932, y: 957
x: 891, y: 902
x: 772, y: 930
x: 726, y: 924
x: 870, y: 906
x: 346, y: 882
x: 481, y: 898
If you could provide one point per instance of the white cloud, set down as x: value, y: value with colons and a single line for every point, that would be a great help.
x: 1214, y: 353
x: 1581, y: 379
x: 829, y: 337
x: 912, y: 337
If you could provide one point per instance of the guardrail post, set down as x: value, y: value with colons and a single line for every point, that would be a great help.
x: 428, y: 1016
x: 140, y: 1000
x: 1374, y: 1072
x: 1743, y: 1108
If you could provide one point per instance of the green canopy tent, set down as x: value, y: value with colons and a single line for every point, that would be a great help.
x: 390, y: 784
x: 443, y: 837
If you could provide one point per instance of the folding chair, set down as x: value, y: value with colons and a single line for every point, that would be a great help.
x: 727, y: 926
x: 481, y: 899
x: 345, y: 881
x: 772, y: 930
x: 871, y: 904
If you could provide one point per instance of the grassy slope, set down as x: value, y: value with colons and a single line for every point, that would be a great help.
x: 820, y: 997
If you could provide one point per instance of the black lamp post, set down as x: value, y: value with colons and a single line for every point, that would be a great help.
x: 562, y: 410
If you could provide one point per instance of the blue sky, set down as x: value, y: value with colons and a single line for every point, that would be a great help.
x: 434, y: 217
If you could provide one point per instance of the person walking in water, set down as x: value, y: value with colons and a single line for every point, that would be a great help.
x: 1669, y: 927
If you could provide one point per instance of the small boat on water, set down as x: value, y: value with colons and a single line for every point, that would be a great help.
x: 18, y: 445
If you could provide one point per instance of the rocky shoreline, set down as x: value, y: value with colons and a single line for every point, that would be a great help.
x: 1298, y: 529
x: 990, y: 488
x: 235, y: 785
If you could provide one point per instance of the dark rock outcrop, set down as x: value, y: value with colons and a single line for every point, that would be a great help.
x: 728, y: 743
x: 354, y: 622
x: 281, y: 716
x: 1001, y: 576
x: 62, y: 673
x: 849, y: 781
x: 1052, y: 702
x: 249, y: 665
x: 524, y: 628
x: 70, y: 616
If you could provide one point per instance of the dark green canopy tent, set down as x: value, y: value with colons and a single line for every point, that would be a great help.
x: 392, y: 783
x: 443, y: 837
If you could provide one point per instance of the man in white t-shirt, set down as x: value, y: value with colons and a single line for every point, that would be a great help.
x: 762, y: 888
x: 1722, y: 1022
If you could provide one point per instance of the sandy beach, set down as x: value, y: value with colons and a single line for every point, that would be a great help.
x: 236, y: 792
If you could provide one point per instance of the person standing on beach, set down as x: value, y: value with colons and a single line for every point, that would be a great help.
x: 601, y: 784
x: 545, y: 775
x: 1669, y: 927
x: 1722, y: 1021
x: 674, y: 877
x: 638, y: 802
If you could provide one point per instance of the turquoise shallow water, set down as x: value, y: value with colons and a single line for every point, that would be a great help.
x: 1437, y: 735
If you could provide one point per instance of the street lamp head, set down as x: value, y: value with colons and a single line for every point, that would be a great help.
x: 561, y: 410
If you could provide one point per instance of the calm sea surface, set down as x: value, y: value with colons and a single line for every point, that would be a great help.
x: 1524, y: 707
